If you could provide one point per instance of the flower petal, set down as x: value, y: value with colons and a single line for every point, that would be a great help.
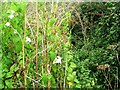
x: 11, y: 16
x: 7, y: 24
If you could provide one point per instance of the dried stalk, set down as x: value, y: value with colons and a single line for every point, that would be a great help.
x: 37, y: 42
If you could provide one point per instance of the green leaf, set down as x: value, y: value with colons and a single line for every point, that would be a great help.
x: 56, y: 28
x: 44, y: 78
x: 54, y: 68
x: 70, y: 70
x: 78, y: 86
x: 20, y: 56
x: 21, y: 62
x: 9, y: 74
x: 9, y: 83
x: 52, y: 38
x: 18, y: 75
x: 14, y: 7
x: 12, y: 67
x: 49, y: 31
x: 16, y: 39
x: 6, y: 70
x: 18, y: 47
x: 52, y: 55
x: 16, y: 68
x: 73, y: 65
x: 7, y: 60
x: 67, y: 14
x: 75, y: 80
x: 49, y: 76
x: 70, y: 77
x: 51, y: 22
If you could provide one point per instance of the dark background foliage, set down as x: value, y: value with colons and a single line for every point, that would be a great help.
x: 102, y: 37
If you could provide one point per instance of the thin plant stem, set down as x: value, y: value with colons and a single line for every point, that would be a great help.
x: 23, y: 50
x: 37, y: 41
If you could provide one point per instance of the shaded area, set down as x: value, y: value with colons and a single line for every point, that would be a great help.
x: 96, y: 44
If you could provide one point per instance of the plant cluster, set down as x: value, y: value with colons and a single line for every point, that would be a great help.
x: 60, y: 45
x: 95, y: 40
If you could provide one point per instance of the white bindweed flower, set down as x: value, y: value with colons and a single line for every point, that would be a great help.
x: 12, y: 11
x: 28, y: 39
x: 7, y: 24
x: 11, y: 16
x: 57, y: 60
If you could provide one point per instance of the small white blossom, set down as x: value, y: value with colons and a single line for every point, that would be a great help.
x: 7, y: 24
x: 28, y: 39
x: 12, y: 11
x: 57, y: 60
x: 11, y: 16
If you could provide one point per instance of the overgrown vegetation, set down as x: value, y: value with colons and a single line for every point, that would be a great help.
x: 96, y: 44
x: 60, y: 45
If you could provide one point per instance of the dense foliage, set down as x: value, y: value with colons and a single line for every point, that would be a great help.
x: 60, y: 45
x: 96, y: 43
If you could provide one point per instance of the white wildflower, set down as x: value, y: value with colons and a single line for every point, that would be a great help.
x: 7, y: 24
x: 12, y: 11
x: 28, y: 39
x: 57, y: 60
x: 11, y: 16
